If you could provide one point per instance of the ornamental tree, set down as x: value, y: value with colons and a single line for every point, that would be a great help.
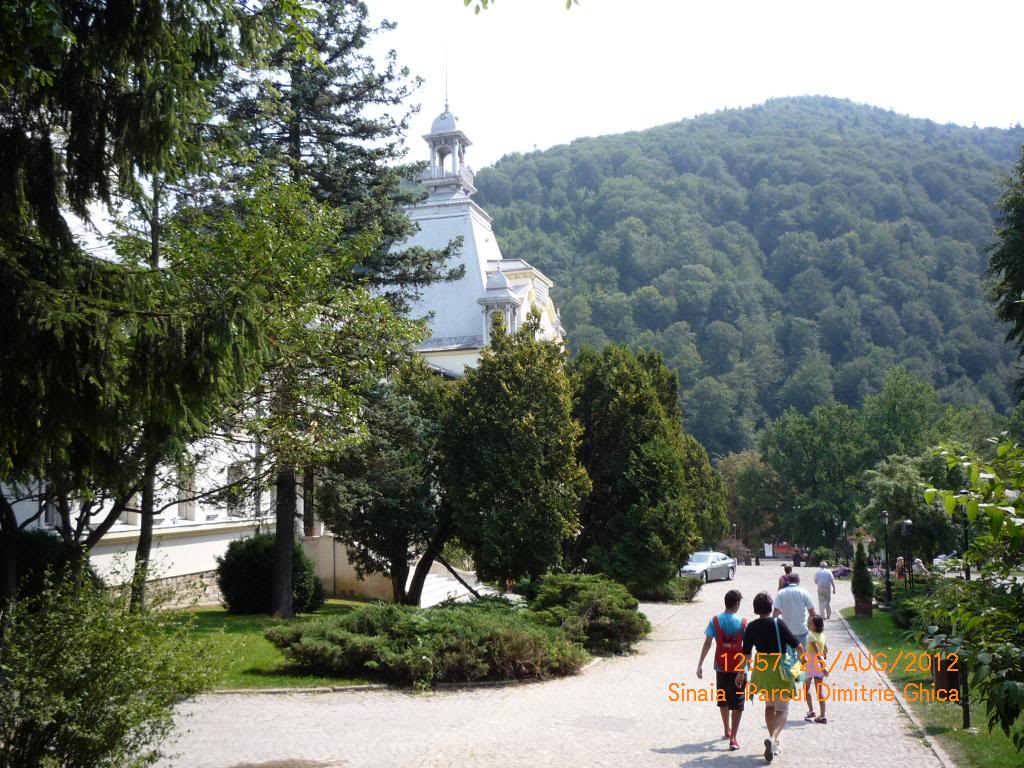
x: 509, y: 445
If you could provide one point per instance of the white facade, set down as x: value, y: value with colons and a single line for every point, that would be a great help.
x: 460, y: 310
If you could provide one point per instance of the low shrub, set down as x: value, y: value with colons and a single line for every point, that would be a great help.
x: 245, y: 573
x: 596, y: 612
x: 488, y: 640
x: 681, y: 589
x: 817, y: 555
x: 87, y: 683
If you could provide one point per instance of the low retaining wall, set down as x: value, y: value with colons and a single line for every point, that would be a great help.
x: 339, y: 575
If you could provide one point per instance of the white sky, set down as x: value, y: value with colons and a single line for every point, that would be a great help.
x: 528, y: 73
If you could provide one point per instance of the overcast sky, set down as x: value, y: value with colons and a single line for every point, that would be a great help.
x: 528, y: 73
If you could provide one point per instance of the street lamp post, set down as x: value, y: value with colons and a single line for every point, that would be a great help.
x: 846, y: 556
x: 885, y: 536
x: 965, y: 523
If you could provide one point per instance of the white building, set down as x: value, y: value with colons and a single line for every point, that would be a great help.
x: 460, y: 310
x: 189, y: 534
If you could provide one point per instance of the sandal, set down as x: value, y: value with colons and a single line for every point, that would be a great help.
x: 822, y: 720
x: 809, y: 715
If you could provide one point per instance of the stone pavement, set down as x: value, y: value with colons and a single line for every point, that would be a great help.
x: 616, y: 713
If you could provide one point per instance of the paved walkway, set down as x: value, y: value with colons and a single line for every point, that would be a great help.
x: 617, y: 713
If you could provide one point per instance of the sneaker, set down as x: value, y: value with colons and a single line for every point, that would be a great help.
x: 769, y: 755
x: 733, y: 745
x: 777, y: 747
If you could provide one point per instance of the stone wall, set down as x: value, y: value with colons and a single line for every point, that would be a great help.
x: 188, y: 590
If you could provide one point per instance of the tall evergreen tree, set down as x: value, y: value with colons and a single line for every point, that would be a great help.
x: 655, y: 496
x: 509, y: 464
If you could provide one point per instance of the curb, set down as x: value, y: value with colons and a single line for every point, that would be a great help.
x: 311, y: 689
x: 940, y: 754
x: 383, y: 686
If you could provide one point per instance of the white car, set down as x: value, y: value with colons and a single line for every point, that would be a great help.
x: 709, y: 565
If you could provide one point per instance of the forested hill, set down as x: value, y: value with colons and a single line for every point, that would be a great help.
x: 783, y: 255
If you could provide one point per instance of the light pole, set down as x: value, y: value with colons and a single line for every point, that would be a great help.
x: 846, y: 557
x: 962, y: 508
x: 908, y: 562
x: 885, y: 537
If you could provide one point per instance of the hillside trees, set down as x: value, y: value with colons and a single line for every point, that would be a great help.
x: 835, y: 254
x: 655, y: 497
x: 1006, y: 261
x: 510, y: 469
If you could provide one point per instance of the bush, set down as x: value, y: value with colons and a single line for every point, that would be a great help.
x: 681, y: 589
x: 40, y: 553
x: 245, y: 572
x: 860, y: 582
x: 594, y: 611
x: 817, y: 555
x: 488, y: 640
x: 86, y: 683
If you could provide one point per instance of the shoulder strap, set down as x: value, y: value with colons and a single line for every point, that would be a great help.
x: 719, y: 634
x: 778, y: 637
x: 743, y: 626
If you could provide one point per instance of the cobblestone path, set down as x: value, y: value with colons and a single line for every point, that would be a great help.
x: 617, y: 713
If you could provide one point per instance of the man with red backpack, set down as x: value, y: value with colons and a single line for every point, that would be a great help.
x: 726, y: 629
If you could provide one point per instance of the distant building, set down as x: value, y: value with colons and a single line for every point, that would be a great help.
x: 461, y: 310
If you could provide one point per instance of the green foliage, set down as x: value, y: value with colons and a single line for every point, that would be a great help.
x: 379, y: 496
x: 818, y: 554
x: 490, y: 640
x: 896, y: 485
x: 244, y: 576
x: 509, y: 444
x: 595, y: 612
x: 679, y: 589
x: 42, y: 557
x: 1006, y: 262
x: 655, y: 497
x: 830, y: 240
x: 986, y: 615
x: 860, y: 582
x: 87, y: 683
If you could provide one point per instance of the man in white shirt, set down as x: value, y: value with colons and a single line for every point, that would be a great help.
x: 826, y: 583
x: 795, y: 606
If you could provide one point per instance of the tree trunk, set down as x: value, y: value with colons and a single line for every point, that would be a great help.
x: 145, y: 546
x: 419, y: 576
x: 284, y: 545
x: 308, y: 500
x: 399, y: 575
x: 8, y: 552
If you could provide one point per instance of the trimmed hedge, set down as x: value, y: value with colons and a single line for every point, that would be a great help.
x: 245, y: 574
x: 680, y: 589
x: 594, y: 611
x: 488, y: 640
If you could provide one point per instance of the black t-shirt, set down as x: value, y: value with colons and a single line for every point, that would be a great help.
x: 760, y: 634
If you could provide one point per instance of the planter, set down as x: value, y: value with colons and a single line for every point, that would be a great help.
x: 862, y: 607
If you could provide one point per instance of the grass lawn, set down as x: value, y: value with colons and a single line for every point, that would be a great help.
x: 245, y: 659
x: 942, y: 720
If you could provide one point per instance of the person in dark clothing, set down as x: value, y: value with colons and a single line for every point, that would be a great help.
x: 770, y: 638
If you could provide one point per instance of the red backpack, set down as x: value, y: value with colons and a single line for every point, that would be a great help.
x: 729, y: 649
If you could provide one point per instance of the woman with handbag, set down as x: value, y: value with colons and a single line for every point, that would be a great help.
x: 777, y: 668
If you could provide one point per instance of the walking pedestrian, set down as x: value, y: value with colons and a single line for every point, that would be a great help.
x: 817, y: 652
x: 727, y: 629
x: 770, y: 637
x: 794, y: 605
x: 784, y: 578
x: 826, y: 584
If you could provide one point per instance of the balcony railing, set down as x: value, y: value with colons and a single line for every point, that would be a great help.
x: 434, y: 174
